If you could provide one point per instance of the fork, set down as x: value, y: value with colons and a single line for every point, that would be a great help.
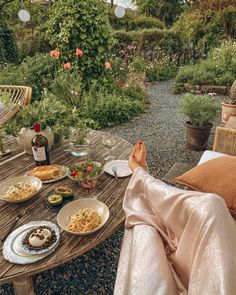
x: 114, y: 170
x: 20, y: 214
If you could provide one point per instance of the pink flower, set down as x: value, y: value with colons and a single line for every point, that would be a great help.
x: 67, y: 66
x: 107, y: 65
x: 79, y: 52
x: 54, y: 53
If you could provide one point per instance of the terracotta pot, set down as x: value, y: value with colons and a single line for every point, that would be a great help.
x: 197, y: 136
x: 227, y: 111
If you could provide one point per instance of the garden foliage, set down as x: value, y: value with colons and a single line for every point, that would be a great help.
x: 81, y: 24
x: 133, y: 21
x: 166, y: 10
x: 36, y: 72
x: 8, y: 47
x: 200, y: 109
x: 218, y: 69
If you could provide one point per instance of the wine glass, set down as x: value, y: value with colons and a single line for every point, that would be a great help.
x: 109, y: 142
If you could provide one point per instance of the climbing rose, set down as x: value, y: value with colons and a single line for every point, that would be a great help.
x: 107, y: 65
x: 67, y: 66
x: 79, y: 52
x: 54, y: 53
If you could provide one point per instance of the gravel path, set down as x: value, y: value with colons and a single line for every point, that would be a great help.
x: 161, y: 128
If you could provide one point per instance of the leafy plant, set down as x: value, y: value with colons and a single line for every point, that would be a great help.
x: 67, y: 87
x: 49, y: 112
x: 8, y: 47
x: 37, y: 72
x: 81, y: 24
x: 200, y: 109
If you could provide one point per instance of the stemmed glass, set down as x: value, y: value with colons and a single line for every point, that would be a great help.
x: 109, y: 142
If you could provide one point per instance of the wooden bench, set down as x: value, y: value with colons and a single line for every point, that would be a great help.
x: 20, y: 96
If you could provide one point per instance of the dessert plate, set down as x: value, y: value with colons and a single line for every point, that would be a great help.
x: 12, y: 248
x: 123, y: 169
x: 62, y: 176
x: 52, y: 227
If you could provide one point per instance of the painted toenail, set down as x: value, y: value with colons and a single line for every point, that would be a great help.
x: 140, y: 142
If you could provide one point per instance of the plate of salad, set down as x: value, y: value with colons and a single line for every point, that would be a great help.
x: 86, y: 173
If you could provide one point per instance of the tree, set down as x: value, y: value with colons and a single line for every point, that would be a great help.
x: 213, y: 5
x: 166, y: 10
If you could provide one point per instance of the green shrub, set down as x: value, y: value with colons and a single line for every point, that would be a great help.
x: 31, y: 45
x: 49, y: 112
x: 37, y: 72
x: 134, y: 21
x: 81, y: 24
x: 8, y: 47
x: 200, y: 109
x: 106, y: 109
x: 218, y: 69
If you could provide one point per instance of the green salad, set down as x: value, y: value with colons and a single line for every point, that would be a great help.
x: 85, y: 170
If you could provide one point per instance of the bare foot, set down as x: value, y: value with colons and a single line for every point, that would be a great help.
x: 138, y: 156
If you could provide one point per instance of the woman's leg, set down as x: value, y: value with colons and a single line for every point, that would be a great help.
x: 198, y: 228
x: 143, y: 265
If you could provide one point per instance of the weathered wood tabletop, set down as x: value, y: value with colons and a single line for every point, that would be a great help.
x: 108, y: 190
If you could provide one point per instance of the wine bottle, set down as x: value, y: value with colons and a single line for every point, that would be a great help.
x: 40, y: 147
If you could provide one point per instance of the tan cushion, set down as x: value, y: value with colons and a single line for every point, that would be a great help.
x: 214, y: 176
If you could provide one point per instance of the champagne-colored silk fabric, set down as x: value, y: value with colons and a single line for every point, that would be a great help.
x: 175, y: 241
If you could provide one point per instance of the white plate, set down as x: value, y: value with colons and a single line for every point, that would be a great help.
x: 34, y: 181
x: 12, y: 248
x: 63, y: 175
x: 38, y: 252
x: 123, y: 169
x: 63, y: 217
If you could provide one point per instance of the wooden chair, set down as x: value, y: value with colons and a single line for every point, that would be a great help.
x: 20, y: 97
x: 225, y: 141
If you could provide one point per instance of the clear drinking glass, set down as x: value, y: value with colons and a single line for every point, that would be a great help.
x: 109, y: 142
x: 79, y: 141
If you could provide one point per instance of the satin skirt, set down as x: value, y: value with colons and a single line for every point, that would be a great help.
x: 175, y: 241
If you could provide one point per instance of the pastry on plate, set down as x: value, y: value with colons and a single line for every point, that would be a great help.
x: 44, y: 173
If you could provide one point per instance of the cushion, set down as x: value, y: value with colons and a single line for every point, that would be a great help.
x: 209, y: 155
x: 214, y: 176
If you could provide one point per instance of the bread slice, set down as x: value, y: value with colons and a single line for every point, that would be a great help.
x: 44, y: 173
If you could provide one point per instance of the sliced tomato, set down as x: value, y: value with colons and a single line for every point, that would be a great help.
x: 89, y: 168
x: 74, y: 173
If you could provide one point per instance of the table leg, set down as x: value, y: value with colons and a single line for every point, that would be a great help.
x: 23, y: 286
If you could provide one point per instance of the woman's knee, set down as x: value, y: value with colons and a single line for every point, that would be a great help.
x: 211, y: 206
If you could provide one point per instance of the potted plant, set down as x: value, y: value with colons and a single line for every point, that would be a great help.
x: 200, y: 110
x: 229, y: 105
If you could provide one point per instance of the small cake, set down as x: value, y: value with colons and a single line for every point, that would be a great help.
x: 40, y: 238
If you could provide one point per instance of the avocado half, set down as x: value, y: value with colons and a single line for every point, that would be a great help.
x: 55, y: 199
x: 64, y: 191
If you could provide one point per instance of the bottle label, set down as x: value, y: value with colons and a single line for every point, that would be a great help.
x: 39, y: 153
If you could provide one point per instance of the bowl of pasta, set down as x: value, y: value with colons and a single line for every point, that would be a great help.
x: 20, y: 189
x: 83, y: 217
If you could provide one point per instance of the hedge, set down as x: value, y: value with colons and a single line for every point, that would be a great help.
x: 8, y: 47
x: 149, y: 39
x: 133, y: 21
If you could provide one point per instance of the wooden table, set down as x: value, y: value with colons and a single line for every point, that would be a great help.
x: 108, y: 191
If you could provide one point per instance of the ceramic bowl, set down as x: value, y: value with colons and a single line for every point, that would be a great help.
x: 64, y: 215
x: 36, y: 182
